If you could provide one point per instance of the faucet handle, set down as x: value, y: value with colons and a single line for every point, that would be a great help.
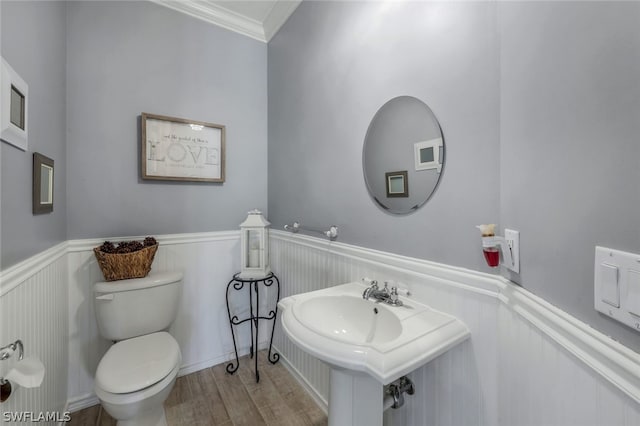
x: 400, y: 291
x: 370, y: 282
x: 393, y: 296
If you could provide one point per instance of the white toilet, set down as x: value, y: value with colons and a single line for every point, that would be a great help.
x: 137, y: 373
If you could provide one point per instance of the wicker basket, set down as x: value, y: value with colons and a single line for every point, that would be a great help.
x: 123, y: 266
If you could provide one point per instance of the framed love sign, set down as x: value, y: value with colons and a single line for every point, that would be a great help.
x: 182, y: 150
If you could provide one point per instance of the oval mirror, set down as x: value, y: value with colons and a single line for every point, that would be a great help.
x: 403, y: 155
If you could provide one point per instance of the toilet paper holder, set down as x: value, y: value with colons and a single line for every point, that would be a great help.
x: 26, y: 372
x: 7, y: 351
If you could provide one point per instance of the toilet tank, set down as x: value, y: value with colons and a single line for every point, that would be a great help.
x: 130, y: 308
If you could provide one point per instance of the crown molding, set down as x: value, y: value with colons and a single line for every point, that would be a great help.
x: 212, y: 12
x: 278, y: 16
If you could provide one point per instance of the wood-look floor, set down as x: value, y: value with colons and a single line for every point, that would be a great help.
x: 215, y: 397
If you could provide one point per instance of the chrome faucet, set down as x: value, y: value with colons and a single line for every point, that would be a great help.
x: 385, y: 295
x: 374, y: 292
x: 382, y: 295
x: 373, y: 286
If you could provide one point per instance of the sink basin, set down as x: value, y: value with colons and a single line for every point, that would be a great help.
x: 339, y: 327
x: 349, y: 319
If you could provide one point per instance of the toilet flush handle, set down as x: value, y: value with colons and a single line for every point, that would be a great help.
x: 105, y: 297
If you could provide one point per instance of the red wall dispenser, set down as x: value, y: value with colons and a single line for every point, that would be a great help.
x: 494, y: 247
x: 492, y: 256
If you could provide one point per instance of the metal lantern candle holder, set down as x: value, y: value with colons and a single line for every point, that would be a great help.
x: 254, y: 244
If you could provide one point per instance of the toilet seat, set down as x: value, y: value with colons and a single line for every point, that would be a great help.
x: 139, y: 363
x: 141, y: 395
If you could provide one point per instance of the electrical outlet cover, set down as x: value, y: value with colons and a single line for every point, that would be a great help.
x: 513, y: 240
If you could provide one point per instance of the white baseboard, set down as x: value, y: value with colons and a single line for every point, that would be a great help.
x: 82, y: 402
x: 66, y: 409
x: 201, y: 365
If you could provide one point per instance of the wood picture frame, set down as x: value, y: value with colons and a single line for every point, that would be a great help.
x: 397, y: 184
x: 42, y: 192
x: 184, y: 150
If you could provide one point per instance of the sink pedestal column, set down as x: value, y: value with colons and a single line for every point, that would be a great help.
x: 355, y: 399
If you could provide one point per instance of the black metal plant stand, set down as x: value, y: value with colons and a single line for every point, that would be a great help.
x: 252, y: 283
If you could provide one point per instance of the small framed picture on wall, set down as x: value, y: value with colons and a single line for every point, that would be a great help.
x: 397, y: 184
x: 42, y: 184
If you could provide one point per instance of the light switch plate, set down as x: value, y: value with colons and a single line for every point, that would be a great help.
x: 633, y: 292
x: 617, y: 285
x: 609, y: 284
x: 513, y: 241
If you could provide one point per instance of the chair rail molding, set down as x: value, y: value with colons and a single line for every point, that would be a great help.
x: 308, y: 263
x: 17, y: 274
x: 615, y: 362
x: 168, y: 239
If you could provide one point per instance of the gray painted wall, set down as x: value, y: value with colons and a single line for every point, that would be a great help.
x: 125, y: 58
x: 539, y: 103
x: 332, y: 66
x: 569, y: 157
x: 33, y: 43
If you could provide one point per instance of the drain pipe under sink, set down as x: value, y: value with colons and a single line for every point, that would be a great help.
x: 394, y: 393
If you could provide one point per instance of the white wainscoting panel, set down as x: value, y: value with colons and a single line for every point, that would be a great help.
x: 34, y: 308
x: 208, y: 262
x: 300, y: 269
x: 542, y: 383
x: 85, y: 345
x: 527, y: 362
x: 466, y: 377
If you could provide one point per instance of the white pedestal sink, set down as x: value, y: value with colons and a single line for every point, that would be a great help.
x: 366, y: 344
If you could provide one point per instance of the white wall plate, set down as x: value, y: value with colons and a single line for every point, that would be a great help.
x: 617, y: 285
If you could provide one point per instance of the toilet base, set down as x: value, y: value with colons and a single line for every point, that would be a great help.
x: 149, y: 418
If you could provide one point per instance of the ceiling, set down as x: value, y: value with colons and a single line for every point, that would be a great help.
x: 256, y: 19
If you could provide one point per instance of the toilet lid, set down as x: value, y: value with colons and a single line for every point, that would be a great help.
x: 134, y: 364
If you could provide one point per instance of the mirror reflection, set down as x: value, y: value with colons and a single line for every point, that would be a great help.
x: 46, y: 184
x: 42, y: 184
x: 403, y: 155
